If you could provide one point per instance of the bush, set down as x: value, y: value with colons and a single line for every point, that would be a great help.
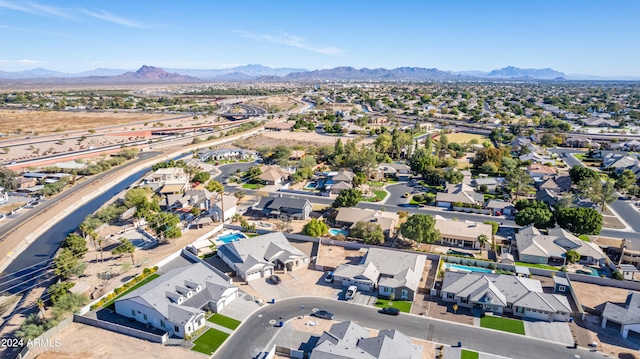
x: 617, y: 275
x: 147, y: 271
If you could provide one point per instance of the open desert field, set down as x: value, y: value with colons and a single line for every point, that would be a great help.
x: 282, y: 102
x: 306, y: 139
x: 44, y: 122
x: 461, y: 137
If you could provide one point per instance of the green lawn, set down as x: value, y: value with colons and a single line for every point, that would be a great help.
x: 380, y: 195
x: 209, y: 341
x: 224, y: 321
x: 403, y: 306
x: 109, y: 304
x: 468, y: 354
x: 580, y: 156
x: 252, y: 185
x: 584, y: 238
x: 489, y: 196
x: 506, y: 325
x: 534, y: 265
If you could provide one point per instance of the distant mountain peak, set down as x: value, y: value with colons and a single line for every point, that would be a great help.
x: 516, y: 72
x: 155, y: 73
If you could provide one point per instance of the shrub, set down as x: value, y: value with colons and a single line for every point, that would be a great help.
x: 146, y: 271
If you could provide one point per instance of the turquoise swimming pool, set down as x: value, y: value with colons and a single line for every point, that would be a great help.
x: 231, y: 237
x: 463, y: 268
x: 337, y: 231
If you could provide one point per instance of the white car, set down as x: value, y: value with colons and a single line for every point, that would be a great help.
x: 351, y: 292
x: 329, y: 277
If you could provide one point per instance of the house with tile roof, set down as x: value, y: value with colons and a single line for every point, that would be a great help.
x: 349, y: 216
x: 176, y: 302
x: 461, y: 233
x: 535, y: 247
x: 257, y: 257
x: 348, y: 340
x: 497, y: 293
x: 458, y: 193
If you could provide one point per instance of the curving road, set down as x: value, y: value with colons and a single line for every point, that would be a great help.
x: 256, y: 332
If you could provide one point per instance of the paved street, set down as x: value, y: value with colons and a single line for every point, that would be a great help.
x: 261, y: 331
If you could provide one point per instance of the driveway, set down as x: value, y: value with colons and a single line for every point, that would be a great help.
x: 558, y: 332
x: 241, y: 307
x: 396, y: 193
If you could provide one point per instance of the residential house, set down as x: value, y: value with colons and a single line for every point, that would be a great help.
x: 225, y: 154
x: 339, y: 181
x: 626, y: 317
x: 168, y: 180
x: 257, y: 257
x: 558, y: 184
x: 226, y: 204
x: 547, y: 196
x: 284, y: 207
x: 633, y: 145
x: 535, y: 247
x: 523, y: 297
x: 348, y: 340
x: 580, y: 141
x: 198, y: 198
x: 388, y: 221
x: 630, y: 252
x: 537, y: 170
x: 399, y: 171
x: 177, y: 301
x: 461, y: 233
x: 297, y: 154
x: 599, y: 122
x: 273, y: 175
x: 619, y: 162
x: 500, y: 208
x: 490, y: 182
x: 396, y: 274
x: 24, y: 183
x: 458, y: 193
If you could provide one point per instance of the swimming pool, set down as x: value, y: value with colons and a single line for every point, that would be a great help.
x: 337, y: 231
x: 231, y: 237
x: 311, y: 185
x: 462, y: 268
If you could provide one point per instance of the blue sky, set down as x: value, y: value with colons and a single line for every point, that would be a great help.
x: 573, y: 36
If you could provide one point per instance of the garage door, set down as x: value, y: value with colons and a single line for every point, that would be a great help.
x: 228, y: 300
x: 536, y: 315
x: 267, y: 273
x: 253, y: 276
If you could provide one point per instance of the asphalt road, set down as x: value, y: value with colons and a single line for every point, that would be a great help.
x: 257, y: 332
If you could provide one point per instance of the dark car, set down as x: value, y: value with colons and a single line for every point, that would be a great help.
x: 389, y: 311
x: 275, y: 279
x: 323, y: 314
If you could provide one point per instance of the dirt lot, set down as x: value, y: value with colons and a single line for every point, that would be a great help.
x: 592, y: 295
x: 78, y: 341
x: 282, y: 102
x: 45, y: 122
x: 465, y: 137
x: 333, y: 256
x: 306, y: 139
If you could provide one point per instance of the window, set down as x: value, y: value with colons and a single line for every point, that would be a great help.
x: 464, y: 300
x: 519, y: 310
x: 144, y: 316
x: 162, y: 323
x: 133, y: 312
x: 176, y: 329
x: 561, y: 288
x: 450, y: 295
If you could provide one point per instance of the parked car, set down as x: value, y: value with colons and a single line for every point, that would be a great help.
x: 351, y: 292
x: 329, y: 277
x: 275, y: 279
x: 389, y: 311
x: 323, y: 314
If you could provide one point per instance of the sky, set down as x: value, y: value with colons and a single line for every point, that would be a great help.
x: 573, y: 36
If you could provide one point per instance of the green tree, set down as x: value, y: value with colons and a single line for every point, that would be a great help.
x: 165, y: 225
x: 69, y: 303
x: 579, y: 173
x: 483, y: 240
x: 315, y: 228
x: 76, y: 243
x: 40, y: 304
x: 572, y: 256
x: 518, y: 181
x: 625, y: 180
x: 125, y: 247
x: 540, y: 217
x: 281, y: 154
x: 600, y: 193
x: 489, y: 167
x: 383, y: 143
x: 369, y: 232
x: 359, y: 179
x: 420, y: 228
x: 215, y: 186
x: 579, y: 220
x: 347, y: 198
x: 253, y: 172
x: 201, y: 177
x: 494, y: 226
x: 64, y: 263
x: 56, y: 290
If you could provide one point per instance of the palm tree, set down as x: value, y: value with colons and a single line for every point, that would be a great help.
x: 236, y: 218
x: 100, y: 241
x: 40, y: 304
x: 482, y: 239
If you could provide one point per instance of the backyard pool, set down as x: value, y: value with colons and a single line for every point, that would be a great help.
x: 591, y: 271
x: 231, y: 237
x: 337, y: 231
x: 462, y: 268
x: 311, y: 185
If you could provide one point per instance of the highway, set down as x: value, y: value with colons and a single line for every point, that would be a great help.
x: 256, y: 332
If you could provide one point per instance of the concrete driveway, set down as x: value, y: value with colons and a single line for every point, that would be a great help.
x: 558, y: 332
x: 241, y: 307
x: 396, y: 193
x: 272, y: 291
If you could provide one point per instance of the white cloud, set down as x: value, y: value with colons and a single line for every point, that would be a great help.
x: 283, y: 38
x: 107, y: 16
x: 38, y: 9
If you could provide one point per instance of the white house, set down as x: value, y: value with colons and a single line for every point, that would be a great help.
x: 627, y: 317
x: 253, y: 258
x: 176, y: 301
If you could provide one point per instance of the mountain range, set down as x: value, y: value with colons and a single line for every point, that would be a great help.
x: 267, y: 74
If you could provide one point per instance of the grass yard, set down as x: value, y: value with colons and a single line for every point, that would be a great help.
x: 109, y: 304
x: 580, y: 156
x: 403, y: 306
x: 252, y: 185
x: 380, y: 195
x: 468, y: 354
x: 505, y: 324
x: 209, y: 341
x: 535, y: 265
x: 224, y: 321
x: 584, y: 238
x: 460, y: 137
